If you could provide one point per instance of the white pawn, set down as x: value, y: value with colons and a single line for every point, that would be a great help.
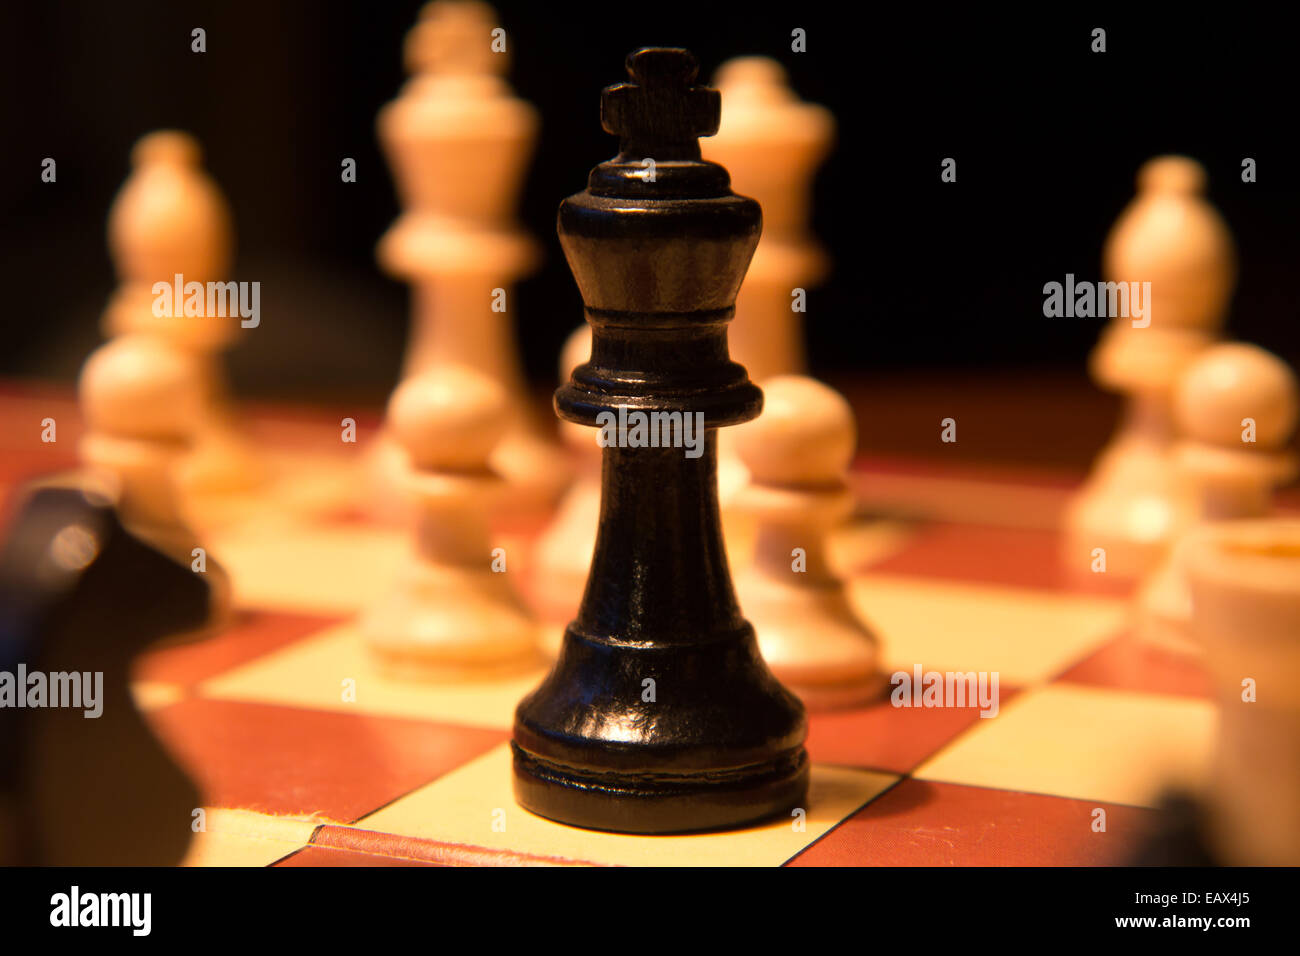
x: 454, y: 613
x: 1236, y: 407
x: 169, y: 219
x: 565, y: 549
x: 798, y: 453
x: 141, y: 404
x: 1134, y: 502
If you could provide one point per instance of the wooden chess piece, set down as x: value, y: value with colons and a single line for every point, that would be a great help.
x: 453, y: 615
x: 81, y: 596
x: 660, y: 715
x: 170, y: 225
x: 1245, y: 585
x: 458, y: 141
x: 771, y: 143
x: 798, y: 454
x: 141, y: 404
x: 1236, y: 408
x: 1134, y: 502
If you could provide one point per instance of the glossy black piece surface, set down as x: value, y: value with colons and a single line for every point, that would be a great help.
x: 660, y: 715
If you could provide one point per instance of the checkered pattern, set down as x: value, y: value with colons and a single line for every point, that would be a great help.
x: 296, y: 772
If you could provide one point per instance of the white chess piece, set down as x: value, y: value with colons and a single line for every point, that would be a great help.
x: 1245, y: 586
x: 565, y: 548
x: 458, y: 141
x: 452, y: 615
x: 798, y: 453
x: 771, y: 143
x: 169, y: 219
x: 1134, y: 502
x: 1236, y: 408
x: 141, y: 405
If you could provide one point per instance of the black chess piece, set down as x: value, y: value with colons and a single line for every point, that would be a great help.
x: 660, y: 715
x: 80, y: 595
x: 1177, y: 835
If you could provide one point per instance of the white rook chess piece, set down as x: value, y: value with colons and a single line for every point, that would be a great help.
x: 141, y: 404
x: 798, y: 453
x: 771, y: 143
x: 564, y: 550
x: 458, y: 141
x: 1245, y: 584
x: 170, y: 220
x: 453, y: 614
x: 1134, y: 502
x: 1236, y: 408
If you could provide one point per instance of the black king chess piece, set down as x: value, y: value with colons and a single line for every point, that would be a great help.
x: 660, y: 715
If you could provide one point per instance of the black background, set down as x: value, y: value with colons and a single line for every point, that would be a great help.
x: 239, y: 908
x: 930, y: 278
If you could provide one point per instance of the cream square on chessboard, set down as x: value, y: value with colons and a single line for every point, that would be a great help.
x: 244, y: 838
x: 307, y: 484
x: 150, y: 695
x: 288, y: 565
x: 474, y: 805
x: 1027, y: 636
x: 311, y: 672
x: 1089, y: 743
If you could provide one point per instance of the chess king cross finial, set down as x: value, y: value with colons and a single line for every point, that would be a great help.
x: 661, y: 113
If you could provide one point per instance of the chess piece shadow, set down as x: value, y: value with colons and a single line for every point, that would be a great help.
x: 80, y: 598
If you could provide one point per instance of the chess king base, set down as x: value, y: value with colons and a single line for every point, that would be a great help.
x: 723, y: 774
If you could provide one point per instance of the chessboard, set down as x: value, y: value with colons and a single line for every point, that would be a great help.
x: 307, y: 755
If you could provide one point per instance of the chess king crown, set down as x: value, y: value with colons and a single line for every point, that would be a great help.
x: 659, y: 244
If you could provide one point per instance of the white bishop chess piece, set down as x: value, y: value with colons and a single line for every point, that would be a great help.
x: 798, y: 453
x: 454, y: 613
x: 1135, y: 502
x: 170, y: 220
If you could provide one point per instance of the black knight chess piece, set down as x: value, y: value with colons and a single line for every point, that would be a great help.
x: 660, y: 715
x: 1176, y: 835
x: 79, y: 596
